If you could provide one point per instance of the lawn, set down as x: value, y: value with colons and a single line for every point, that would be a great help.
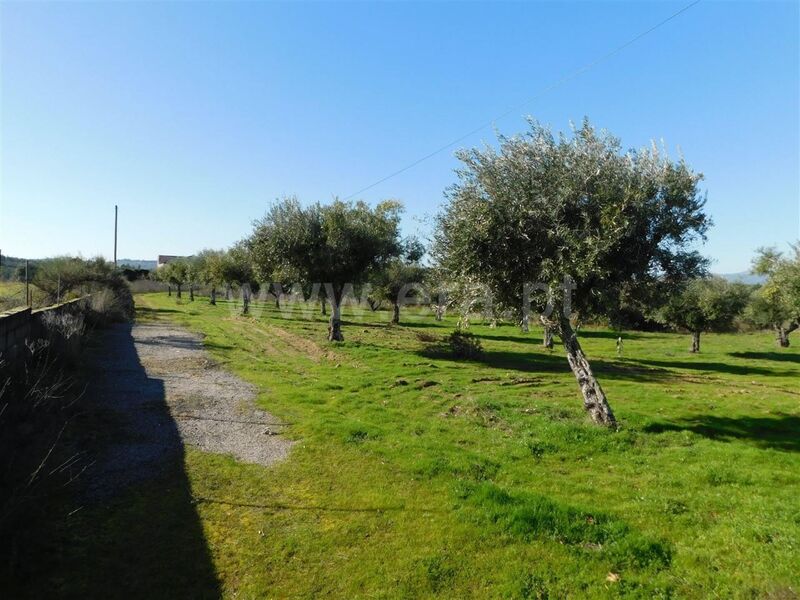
x: 418, y: 475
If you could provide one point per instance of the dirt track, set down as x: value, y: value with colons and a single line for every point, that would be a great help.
x: 161, y: 390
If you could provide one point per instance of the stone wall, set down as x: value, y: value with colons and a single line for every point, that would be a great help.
x: 23, y: 325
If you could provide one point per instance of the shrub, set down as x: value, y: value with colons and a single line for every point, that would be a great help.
x: 465, y: 345
x: 111, y: 306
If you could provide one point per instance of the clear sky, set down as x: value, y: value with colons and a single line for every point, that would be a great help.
x: 194, y: 116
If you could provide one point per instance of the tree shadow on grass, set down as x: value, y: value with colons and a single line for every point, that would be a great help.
x: 147, y: 312
x: 555, y: 362
x: 717, y: 367
x: 136, y: 533
x: 535, y: 336
x: 779, y: 433
x: 776, y: 356
x: 613, y: 335
x: 425, y: 324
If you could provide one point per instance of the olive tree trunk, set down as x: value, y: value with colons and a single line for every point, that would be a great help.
x: 525, y: 324
x: 324, y: 309
x: 191, y: 293
x: 335, y: 324
x: 782, y: 334
x: 179, y: 290
x: 245, y: 300
x: 169, y: 290
x: 395, y: 314
x: 594, y: 399
x: 695, y: 342
x: 547, y: 340
x: 212, y: 299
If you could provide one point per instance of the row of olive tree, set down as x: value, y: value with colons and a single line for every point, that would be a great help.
x: 569, y: 228
x: 214, y: 269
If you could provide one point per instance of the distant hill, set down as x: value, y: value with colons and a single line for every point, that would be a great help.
x: 137, y: 264
x: 744, y: 277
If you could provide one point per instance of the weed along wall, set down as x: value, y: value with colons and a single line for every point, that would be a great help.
x: 60, y: 324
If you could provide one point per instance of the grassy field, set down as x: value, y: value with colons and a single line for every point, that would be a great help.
x: 416, y: 475
x: 12, y: 295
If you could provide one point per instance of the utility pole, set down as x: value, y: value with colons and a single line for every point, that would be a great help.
x: 27, y: 294
x: 116, y: 211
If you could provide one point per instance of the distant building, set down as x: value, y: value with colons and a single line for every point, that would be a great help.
x: 164, y: 259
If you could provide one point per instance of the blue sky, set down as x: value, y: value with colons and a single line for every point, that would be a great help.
x: 194, y: 116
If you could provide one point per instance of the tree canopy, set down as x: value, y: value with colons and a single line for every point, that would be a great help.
x: 544, y: 209
x: 401, y: 277
x: 709, y: 304
x: 337, y: 244
x: 776, y: 304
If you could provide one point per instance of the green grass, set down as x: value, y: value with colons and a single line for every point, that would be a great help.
x: 12, y: 294
x: 415, y: 475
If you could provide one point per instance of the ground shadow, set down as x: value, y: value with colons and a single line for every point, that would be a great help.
x: 776, y: 356
x: 145, y: 312
x: 425, y: 324
x: 613, y: 335
x: 540, y: 361
x: 779, y: 433
x: 138, y: 533
x: 535, y: 335
x: 717, y: 367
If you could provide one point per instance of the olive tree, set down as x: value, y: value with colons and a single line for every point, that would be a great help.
x: 400, y: 277
x: 776, y: 304
x: 210, y: 265
x: 175, y: 273
x: 709, y: 304
x: 337, y: 244
x: 577, y: 216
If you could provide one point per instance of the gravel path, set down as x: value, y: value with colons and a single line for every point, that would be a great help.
x: 160, y: 390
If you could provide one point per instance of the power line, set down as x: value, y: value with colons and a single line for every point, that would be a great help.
x: 549, y: 88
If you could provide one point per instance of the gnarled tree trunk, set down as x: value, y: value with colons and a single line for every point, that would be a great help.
x: 547, y: 341
x: 213, y: 297
x: 191, y: 293
x: 594, y: 399
x: 245, y: 300
x: 782, y: 334
x: 169, y: 290
x: 695, y: 342
x: 179, y: 291
x: 395, y: 314
x: 335, y: 324
x: 525, y: 324
x: 324, y: 309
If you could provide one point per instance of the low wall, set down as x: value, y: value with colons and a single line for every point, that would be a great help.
x: 23, y: 325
